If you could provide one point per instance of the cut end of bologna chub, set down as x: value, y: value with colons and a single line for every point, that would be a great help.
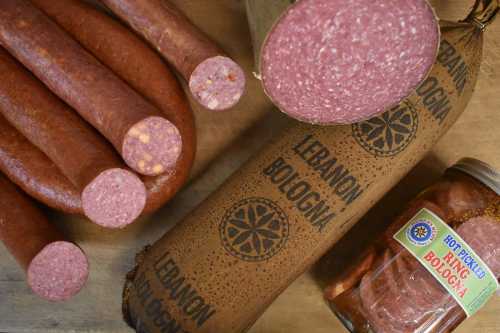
x: 152, y: 146
x: 114, y: 199
x: 59, y: 271
x: 218, y: 83
x: 338, y: 62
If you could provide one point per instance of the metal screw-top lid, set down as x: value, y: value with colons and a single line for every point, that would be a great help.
x: 481, y: 171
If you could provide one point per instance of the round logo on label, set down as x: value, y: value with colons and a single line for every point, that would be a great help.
x: 390, y: 133
x: 254, y: 229
x: 421, y: 233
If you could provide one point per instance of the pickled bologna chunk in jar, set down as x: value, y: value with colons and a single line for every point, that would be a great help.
x: 435, y: 265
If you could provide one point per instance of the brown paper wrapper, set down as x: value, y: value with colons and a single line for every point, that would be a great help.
x: 220, y: 268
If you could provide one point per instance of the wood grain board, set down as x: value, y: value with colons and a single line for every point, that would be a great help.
x: 239, y: 133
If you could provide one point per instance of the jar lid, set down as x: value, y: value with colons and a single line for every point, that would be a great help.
x: 483, y: 172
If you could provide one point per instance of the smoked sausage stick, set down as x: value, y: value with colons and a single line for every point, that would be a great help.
x: 141, y: 67
x: 31, y: 170
x: 215, y: 80
x: 56, y: 269
x: 112, y: 196
x: 149, y: 143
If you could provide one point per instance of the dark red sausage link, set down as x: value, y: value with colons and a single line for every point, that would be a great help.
x: 148, y: 142
x: 131, y: 59
x: 112, y: 196
x: 56, y: 269
x: 34, y: 172
x: 215, y: 80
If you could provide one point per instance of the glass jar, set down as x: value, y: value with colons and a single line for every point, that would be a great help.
x: 402, y: 284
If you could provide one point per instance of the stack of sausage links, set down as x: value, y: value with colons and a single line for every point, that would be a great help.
x: 393, y: 291
x: 93, y: 122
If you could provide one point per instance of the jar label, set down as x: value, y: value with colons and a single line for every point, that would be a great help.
x: 449, y: 259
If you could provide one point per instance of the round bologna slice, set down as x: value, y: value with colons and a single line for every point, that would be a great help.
x: 218, y: 83
x: 425, y: 290
x: 414, y: 311
x: 114, y: 199
x: 374, y: 291
x: 338, y: 62
x: 152, y: 146
x: 58, y: 272
x: 398, y: 309
x: 369, y: 289
x: 386, y: 305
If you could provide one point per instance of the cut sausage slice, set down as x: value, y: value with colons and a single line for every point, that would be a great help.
x: 394, y: 307
x: 338, y: 62
x: 386, y: 303
x: 369, y: 291
x: 56, y: 269
x: 153, y: 146
x: 114, y: 198
x: 424, y: 289
x: 215, y: 80
x: 217, y: 83
x: 137, y: 64
x: 58, y: 272
x: 30, y: 169
x: 93, y: 90
x: 412, y: 312
x: 79, y: 152
x: 372, y: 290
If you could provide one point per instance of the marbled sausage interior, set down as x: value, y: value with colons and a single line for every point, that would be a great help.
x: 338, y: 62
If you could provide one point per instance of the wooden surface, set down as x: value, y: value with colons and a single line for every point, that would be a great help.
x: 239, y: 134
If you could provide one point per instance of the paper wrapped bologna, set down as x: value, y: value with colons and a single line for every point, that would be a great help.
x: 338, y: 62
x: 218, y: 270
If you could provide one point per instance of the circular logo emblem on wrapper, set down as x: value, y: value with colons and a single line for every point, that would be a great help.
x: 254, y: 229
x: 390, y: 133
x: 421, y: 233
